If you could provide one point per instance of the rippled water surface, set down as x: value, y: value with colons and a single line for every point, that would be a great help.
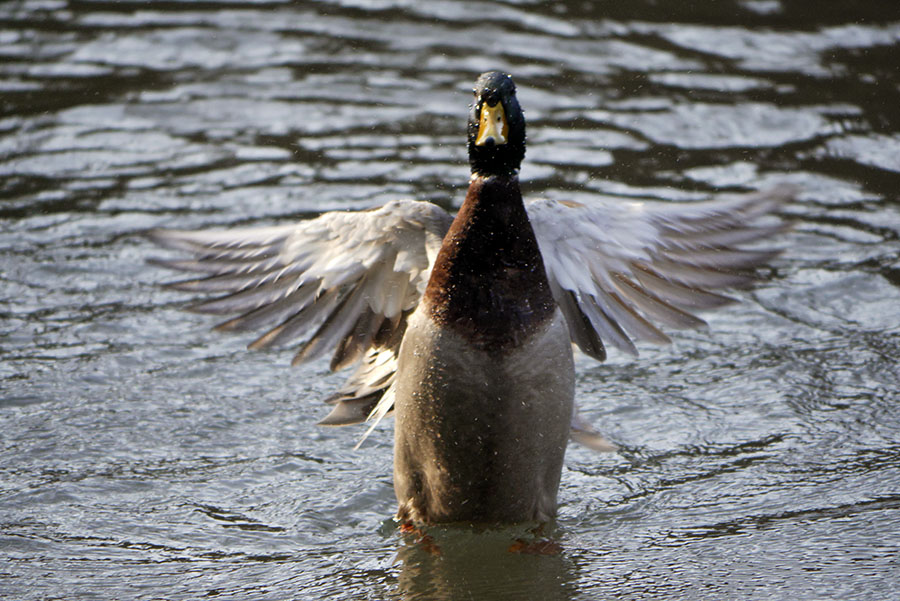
x: 144, y: 457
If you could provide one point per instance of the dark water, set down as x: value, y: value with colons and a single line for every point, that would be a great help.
x: 143, y: 457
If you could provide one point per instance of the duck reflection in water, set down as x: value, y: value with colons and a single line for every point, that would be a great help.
x: 454, y: 562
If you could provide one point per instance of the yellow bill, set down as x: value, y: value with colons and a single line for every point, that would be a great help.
x: 492, y: 125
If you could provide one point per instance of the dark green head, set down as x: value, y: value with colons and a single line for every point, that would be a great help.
x: 496, y: 126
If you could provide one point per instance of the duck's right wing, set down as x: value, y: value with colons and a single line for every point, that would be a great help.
x: 354, y: 275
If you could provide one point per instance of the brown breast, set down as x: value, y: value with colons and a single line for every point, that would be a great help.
x: 488, y: 281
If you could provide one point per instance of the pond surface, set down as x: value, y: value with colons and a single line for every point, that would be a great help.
x: 144, y: 457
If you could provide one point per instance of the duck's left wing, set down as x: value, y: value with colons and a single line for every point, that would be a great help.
x: 618, y: 267
x: 353, y: 276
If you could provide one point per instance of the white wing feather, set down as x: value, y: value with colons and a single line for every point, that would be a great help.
x: 354, y: 276
x: 616, y: 266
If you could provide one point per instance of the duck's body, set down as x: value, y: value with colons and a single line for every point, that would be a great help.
x: 485, y: 364
x: 480, y: 434
x: 465, y: 326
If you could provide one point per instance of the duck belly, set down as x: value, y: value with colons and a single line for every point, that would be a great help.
x: 480, y: 435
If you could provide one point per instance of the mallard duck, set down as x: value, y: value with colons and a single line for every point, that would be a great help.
x: 464, y: 327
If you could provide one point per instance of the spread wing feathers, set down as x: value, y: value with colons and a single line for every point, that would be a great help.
x: 353, y: 276
x: 356, y: 400
x: 618, y: 267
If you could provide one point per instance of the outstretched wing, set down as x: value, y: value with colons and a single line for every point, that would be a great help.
x: 354, y: 276
x: 619, y: 267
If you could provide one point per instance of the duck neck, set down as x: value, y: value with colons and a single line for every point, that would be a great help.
x: 488, y: 281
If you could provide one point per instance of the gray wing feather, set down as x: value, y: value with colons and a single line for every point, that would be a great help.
x: 350, y: 277
x: 618, y: 265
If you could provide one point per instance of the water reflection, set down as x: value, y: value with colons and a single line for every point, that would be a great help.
x: 458, y: 563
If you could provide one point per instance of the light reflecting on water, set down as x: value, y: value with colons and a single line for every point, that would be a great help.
x: 144, y: 457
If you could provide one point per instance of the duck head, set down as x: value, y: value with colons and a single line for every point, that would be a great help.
x: 496, y: 128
